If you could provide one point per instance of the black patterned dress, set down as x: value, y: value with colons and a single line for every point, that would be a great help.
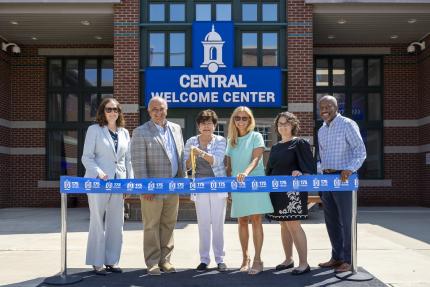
x: 285, y: 157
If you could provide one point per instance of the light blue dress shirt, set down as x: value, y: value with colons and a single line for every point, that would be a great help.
x: 169, y: 144
x: 340, y: 145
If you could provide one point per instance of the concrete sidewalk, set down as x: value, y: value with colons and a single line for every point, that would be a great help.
x: 393, y: 244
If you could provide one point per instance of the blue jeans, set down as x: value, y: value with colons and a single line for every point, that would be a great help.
x: 338, y: 215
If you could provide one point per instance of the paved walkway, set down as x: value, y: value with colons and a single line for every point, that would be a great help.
x: 393, y: 245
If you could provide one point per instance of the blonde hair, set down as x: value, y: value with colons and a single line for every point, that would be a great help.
x: 233, y: 133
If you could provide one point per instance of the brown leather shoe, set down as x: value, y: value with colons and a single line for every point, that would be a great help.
x: 154, y: 270
x: 167, y: 267
x: 345, y: 267
x: 330, y: 264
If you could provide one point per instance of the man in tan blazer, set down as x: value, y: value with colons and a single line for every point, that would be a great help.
x: 156, y: 151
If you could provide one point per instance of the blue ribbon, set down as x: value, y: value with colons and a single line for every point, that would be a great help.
x: 304, y: 183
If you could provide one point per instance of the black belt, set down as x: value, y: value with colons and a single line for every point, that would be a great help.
x: 328, y: 171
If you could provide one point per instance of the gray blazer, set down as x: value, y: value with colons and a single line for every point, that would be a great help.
x: 148, y: 152
x: 99, y: 154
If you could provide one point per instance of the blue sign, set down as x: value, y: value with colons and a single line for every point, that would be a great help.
x: 326, y: 182
x: 213, y: 81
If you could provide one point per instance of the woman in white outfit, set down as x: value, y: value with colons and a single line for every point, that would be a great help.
x: 106, y: 155
x: 210, y: 207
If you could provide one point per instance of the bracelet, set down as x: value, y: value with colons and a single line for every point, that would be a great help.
x: 202, y: 155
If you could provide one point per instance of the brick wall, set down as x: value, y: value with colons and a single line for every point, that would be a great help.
x: 126, y: 56
x: 300, y: 60
x: 4, y: 131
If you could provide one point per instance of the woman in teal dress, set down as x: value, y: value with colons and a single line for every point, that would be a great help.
x: 245, y: 157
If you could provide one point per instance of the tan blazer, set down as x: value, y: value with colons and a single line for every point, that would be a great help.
x: 148, y: 152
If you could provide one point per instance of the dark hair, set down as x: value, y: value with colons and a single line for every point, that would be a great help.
x: 101, y: 118
x: 207, y: 115
x: 291, y: 119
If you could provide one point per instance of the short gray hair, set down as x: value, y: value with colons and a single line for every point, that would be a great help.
x: 157, y: 98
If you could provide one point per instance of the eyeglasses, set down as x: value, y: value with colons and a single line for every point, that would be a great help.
x: 238, y: 119
x: 283, y: 124
x: 109, y: 110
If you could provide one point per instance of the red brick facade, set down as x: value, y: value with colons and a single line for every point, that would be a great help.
x: 126, y: 56
x: 300, y: 61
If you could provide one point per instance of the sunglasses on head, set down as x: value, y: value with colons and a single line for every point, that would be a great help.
x: 109, y: 110
x: 238, y: 119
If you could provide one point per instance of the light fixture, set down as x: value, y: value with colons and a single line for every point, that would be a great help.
x: 85, y: 23
x: 13, y: 22
x: 412, y: 21
x: 393, y: 37
x: 411, y: 47
x: 98, y: 37
x: 34, y: 38
x: 341, y: 21
x: 15, y: 49
x: 331, y: 37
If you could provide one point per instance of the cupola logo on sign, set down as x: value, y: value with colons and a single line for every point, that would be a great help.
x: 213, y: 80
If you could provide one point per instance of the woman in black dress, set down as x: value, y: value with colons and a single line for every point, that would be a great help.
x: 291, y: 156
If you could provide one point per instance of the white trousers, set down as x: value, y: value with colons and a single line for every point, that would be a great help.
x: 106, y: 224
x: 210, y: 209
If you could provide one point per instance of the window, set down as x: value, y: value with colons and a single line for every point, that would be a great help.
x: 249, y: 49
x: 203, y: 12
x: 156, y: 12
x: 259, y: 49
x: 356, y: 83
x: 213, y: 11
x: 157, y: 45
x: 220, y: 129
x: 223, y: 12
x: 270, y: 12
x: 75, y: 88
x: 261, y: 11
x: 162, y: 12
x: 266, y: 131
x: 249, y: 12
x: 160, y: 42
x: 177, y: 12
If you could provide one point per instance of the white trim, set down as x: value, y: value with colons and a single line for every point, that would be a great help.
x: 353, y: 51
x: 48, y: 184
x: 75, y: 52
x: 22, y: 150
x: 22, y: 124
x: 407, y: 123
x: 130, y: 108
x: 301, y: 107
x: 375, y: 183
x: 407, y: 149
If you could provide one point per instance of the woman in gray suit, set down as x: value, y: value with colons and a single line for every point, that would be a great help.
x: 106, y: 155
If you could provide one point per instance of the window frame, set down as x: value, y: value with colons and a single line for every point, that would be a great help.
x: 349, y: 90
x: 81, y: 90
